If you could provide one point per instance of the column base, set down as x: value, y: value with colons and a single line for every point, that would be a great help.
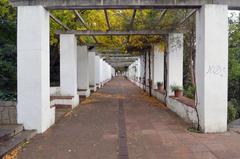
x: 59, y: 101
x: 93, y: 88
x: 98, y: 85
x: 84, y: 92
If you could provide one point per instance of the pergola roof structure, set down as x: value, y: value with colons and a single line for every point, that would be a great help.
x: 135, y: 5
x: 124, y: 4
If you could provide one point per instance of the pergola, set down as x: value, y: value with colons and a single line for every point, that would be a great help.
x: 33, y: 55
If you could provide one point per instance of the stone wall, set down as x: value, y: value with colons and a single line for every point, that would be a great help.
x: 8, y: 112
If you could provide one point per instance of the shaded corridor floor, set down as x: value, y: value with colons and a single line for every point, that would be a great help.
x: 119, y: 122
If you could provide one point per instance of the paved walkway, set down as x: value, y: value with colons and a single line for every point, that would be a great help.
x: 121, y: 122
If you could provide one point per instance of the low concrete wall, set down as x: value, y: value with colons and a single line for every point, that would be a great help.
x: 8, y: 112
x: 159, y: 96
x: 187, y: 113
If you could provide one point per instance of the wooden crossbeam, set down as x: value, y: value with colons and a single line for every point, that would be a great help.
x: 162, y: 15
x: 81, y: 19
x: 117, y: 55
x: 58, y: 21
x: 113, y: 61
x: 121, y: 58
x: 188, y: 16
x: 115, y: 33
x: 131, y: 24
x: 84, y: 23
x: 107, y: 19
x: 124, y: 4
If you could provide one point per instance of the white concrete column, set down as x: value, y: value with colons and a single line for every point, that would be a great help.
x: 138, y: 68
x: 83, y: 71
x: 33, y: 82
x: 101, y: 67
x: 113, y: 73
x: 68, y: 67
x: 158, y: 66
x: 109, y: 72
x: 97, y: 71
x: 104, y: 70
x: 212, y: 67
x: 147, y: 69
x: 142, y: 67
x: 92, y: 71
x: 175, y: 61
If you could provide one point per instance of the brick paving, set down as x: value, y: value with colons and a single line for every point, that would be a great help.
x: 94, y: 130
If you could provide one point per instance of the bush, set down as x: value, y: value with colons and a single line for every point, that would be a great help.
x: 233, y: 110
x: 189, y: 91
x: 176, y: 88
x: 8, y: 96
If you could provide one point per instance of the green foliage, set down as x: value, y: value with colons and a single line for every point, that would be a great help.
x: 8, y: 96
x: 8, y: 56
x: 189, y: 91
x: 176, y: 88
x: 233, y: 110
x: 234, y: 70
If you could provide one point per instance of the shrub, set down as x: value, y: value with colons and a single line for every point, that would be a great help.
x: 159, y: 83
x: 176, y: 88
x: 189, y: 91
x: 232, y: 110
x: 8, y: 96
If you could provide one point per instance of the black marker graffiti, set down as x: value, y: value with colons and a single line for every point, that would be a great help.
x: 217, y: 70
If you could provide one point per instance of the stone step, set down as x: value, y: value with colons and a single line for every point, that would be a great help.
x: 63, y: 106
x: 20, y: 138
x: 8, y: 131
x: 61, y: 97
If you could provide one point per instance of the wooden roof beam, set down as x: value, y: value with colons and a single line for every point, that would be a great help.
x: 131, y: 24
x: 84, y: 23
x: 59, y: 22
x: 188, y: 16
x: 124, y: 4
x: 115, y: 33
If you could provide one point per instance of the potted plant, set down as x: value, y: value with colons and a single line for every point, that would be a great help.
x: 160, y: 86
x: 178, y: 90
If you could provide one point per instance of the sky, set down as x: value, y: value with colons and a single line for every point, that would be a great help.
x: 236, y: 13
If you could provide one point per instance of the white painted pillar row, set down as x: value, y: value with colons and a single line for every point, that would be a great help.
x: 147, y: 69
x: 158, y: 66
x: 175, y: 62
x: 109, y: 72
x: 104, y: 71
x: 113, y: 72
x: 68, y: 67
x: 33, y: 82
x: 101, y: 67
x: 212, y: 67
x: 83, y: 71
x: 138, y: 68
x: 92, y: 71
x: 142, y: 67
x: 97, y: 71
